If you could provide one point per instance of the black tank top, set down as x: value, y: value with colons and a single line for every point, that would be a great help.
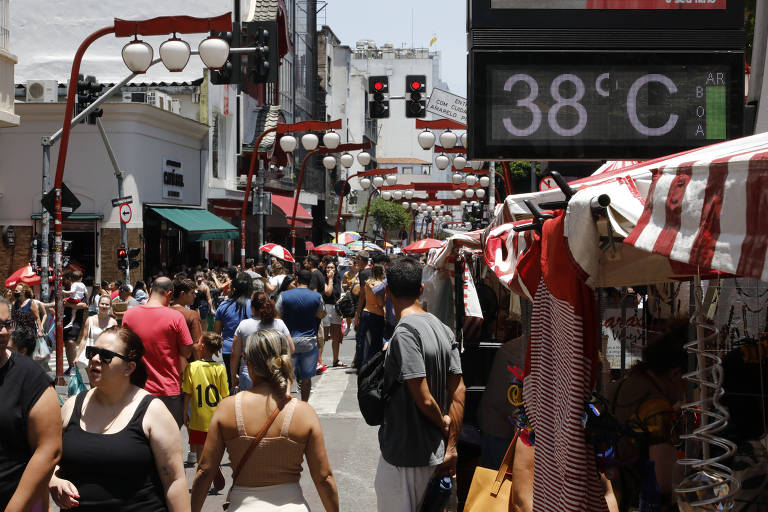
x: 113, y: 472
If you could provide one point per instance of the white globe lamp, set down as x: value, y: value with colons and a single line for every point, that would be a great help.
x: 476, y: 164
x: 458, y: 193
x: 288, y: 143
x: 456, y: 178
x: 175, y: 54
x: 459, y: 163
x: 364, y: 158
x: 414, y: 206
x: 471, y: 180
x: 310, y: 141
x: 469, y: 193
x: 391, y: 179
x: 378, y: 181
x: 464, y: 139
x: 329, y: 162
x: 480, y: 193
x: 137, y: 56
x: 397, y: 194
x: 485, y: 181
x: 386, y: 195
x: 442, y: 162
x: 408, y: 194
x: 406, y: 204
x: 214, y: 52
x: 448, y: 139
x: 463, y: 204
x: 331, y: 140
x: 365, y: 183
x: 347, y: 160
x: 426, y: 139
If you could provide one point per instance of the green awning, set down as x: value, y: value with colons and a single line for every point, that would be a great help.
x: 200, y: 225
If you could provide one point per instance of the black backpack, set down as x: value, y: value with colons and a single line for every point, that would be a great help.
x: 346, y: 305
x: 372, y: 397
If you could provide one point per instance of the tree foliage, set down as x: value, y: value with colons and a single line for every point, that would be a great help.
x: 389, y: 215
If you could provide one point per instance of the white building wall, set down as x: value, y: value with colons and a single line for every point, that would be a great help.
x: 7, y: 64
x: 140, y: 135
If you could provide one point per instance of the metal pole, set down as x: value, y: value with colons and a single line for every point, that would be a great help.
x: 492, y: 190
x: 260, y: 194
x: 45, y: 290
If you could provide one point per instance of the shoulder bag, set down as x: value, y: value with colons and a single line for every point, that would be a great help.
x: 491, y: 491
x: 249, y: 451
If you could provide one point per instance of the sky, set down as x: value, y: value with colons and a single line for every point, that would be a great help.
x: 389, y: 21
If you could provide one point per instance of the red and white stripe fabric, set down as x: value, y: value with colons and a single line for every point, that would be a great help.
x: 561, y: 370
x: 709, y: 213
x: 503, y: 249
x: 473, y: 313
x: 613, y: 165
x: 278, y: 251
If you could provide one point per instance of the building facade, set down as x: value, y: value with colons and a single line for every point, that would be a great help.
x: 8, y: 60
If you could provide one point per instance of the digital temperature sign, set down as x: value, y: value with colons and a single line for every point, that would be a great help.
x: 603, y: 105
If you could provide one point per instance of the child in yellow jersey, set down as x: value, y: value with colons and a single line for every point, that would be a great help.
x: 204, y: 385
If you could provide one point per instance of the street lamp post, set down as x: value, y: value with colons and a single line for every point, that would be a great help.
x: 121, y: 28
x: 364, y: 174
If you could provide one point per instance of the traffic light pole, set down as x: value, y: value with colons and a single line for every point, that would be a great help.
x: 120, y: 193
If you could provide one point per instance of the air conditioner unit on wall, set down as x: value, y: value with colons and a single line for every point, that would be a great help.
x: 42, y: 91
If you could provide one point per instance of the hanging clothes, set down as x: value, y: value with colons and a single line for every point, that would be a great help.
x: 561, y: 370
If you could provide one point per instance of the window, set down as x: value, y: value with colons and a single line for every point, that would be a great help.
x: 426, y: 169
x: 5, y: 23
x: 407, y: 170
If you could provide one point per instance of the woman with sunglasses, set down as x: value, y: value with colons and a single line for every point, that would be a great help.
x: 121, y: 447
x: 94, y: 326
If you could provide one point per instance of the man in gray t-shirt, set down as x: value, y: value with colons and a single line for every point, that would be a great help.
x: 421, y: 426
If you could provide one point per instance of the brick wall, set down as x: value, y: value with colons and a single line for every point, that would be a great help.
x: 15, y: 258
x: 110, y: 241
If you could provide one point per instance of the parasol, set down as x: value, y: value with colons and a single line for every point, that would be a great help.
x: 278, y: 251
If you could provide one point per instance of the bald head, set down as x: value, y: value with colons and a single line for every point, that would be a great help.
x: 161, y: 285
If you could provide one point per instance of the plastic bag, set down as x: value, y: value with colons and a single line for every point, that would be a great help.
x: 42, y: 352
x: 76, y: 384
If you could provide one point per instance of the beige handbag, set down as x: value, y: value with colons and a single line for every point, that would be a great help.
x: 491, y: 490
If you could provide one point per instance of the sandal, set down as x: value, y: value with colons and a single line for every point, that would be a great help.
x: 339, y: 364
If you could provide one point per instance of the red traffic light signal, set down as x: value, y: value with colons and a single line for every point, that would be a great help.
x: 378, y: 86
x: 416, y: 86
x: 122, y: 253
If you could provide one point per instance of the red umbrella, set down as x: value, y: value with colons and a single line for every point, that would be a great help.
x: 278, y: 251
x: 422, y: 246
x: 329, y: 249
x: 24, y: 275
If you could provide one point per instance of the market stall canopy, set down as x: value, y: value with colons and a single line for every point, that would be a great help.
x: 367, y: 246
x: 422, y: 246
x: 693, y: 212
x: 24, y: 275
x: 200, y: 225
x: 331, y: 249
x: 278, y: 251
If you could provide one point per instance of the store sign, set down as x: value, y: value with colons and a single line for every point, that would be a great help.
x: 173, y: 179
x: 612, y: 328
x: 604, y: 105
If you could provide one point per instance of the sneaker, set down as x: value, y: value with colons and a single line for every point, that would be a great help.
x: 192, y: 458
x: 321, y: 368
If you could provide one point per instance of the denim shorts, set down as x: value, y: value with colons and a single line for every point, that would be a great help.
x: 305, y: 364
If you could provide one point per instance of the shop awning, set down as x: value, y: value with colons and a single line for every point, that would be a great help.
x: 285, y: 204
x: 200, y: 225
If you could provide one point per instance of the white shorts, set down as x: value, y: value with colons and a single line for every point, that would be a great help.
x: 331, y: 316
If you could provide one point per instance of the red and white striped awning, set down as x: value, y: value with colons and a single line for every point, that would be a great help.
x: 700, y: 207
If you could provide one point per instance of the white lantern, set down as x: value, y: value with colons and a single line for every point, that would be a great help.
x: 391, y: 179
x: 414, y: 206
x: 175, y: 54
x: 378, y: 181
x: 459, y: 162
x: 408, y: 194
x: 347, y: 160
x: 476, y: 164
x: 448, y: 139
x: 464, y: 139
x: 480, y: 193
x: 426, y: 139
x: 470, y: 193
x: 456, y: 178
x: 423, y: 206
x: 430, y: 209
x: 397, y: 194
x: 331, y: 140
x: 214, y: 52
x: 329, y: 162
x: 364, y: 158
x: 447, y: 218
x: 310, y: 141
x: 458, y: 193
x: 365, y: 183
x: 406, y: 204
x: 485, y: 181
x: 463, y: 204
x: 442, y: 162
x: 386, y: 195
x: 288, y: 143
x: 471, y: 180
x: 137, y: 56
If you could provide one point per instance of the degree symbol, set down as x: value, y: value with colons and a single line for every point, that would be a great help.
x: 598, y: 86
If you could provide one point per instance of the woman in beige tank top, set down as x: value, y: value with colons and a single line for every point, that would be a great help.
x: 268, y: 478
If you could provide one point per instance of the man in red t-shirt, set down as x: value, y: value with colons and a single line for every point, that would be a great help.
x: 166, y: 337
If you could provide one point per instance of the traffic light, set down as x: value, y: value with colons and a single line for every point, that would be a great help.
x: 88, y: 89
x: 133, y: 257
x: 378, y: 97
x: 263, y: 64
x: 230, y: 72
x: 122, y: 258
x: 415, y: 94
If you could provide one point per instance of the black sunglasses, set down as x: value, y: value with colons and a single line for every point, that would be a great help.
x: 104, y: 355
x: 9, y: 325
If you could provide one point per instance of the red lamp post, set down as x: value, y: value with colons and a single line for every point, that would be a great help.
x: 163, y: 25
x: 364, y: 174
